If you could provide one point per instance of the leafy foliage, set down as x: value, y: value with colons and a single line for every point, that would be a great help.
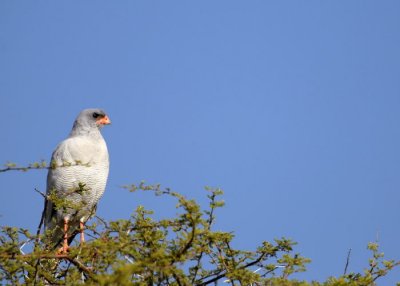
x: 183, y: 250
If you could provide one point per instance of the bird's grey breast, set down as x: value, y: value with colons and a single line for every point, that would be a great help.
x: 80, y: 161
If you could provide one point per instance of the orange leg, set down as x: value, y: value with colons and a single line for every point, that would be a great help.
x: 65, y: 243
x: 81, y: 229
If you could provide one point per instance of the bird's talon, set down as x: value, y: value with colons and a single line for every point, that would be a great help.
x: 62, y: 250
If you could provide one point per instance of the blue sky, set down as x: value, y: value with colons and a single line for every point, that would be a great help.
x: 291, y: 107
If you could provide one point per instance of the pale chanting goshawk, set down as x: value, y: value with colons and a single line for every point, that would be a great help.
x: 77, y: 175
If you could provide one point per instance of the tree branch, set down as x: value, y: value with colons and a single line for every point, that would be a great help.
x: 224, y: 273
x: 40, y: 166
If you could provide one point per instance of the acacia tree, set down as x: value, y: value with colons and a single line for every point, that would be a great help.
x: 140, y: 250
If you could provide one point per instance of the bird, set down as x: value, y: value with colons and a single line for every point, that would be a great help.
x: 77, y: 176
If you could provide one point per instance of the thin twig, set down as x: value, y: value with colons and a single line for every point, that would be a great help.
x: 347, y: 262
x: 41, y: 166
x: 81, y: 267
x: 24, y: 169
x: 224, y: 273
x: 380, y: 275
x: 188, y: 243
x: 41, y: 193
x: 209, y: 223
x: 102, y: 221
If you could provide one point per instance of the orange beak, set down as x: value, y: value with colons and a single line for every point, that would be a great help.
x: 104, y: 121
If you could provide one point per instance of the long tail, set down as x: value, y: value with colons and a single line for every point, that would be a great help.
x: 39, y: 228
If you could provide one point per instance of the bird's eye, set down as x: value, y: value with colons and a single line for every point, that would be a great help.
x: 95, y: 115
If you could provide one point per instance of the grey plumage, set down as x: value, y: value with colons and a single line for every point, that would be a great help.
x: 80, y: 166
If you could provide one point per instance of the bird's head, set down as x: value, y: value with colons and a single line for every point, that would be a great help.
x: 90, y: 119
